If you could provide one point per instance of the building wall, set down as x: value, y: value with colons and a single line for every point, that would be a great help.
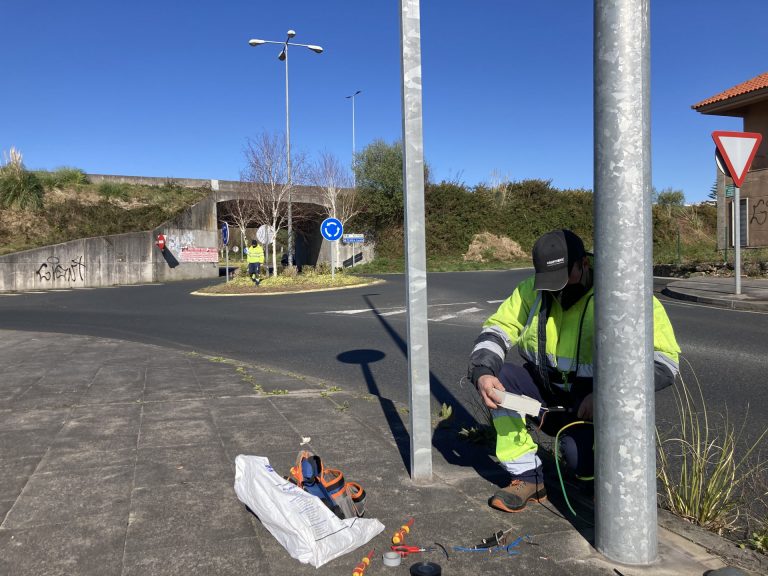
x: 755, y: 192
x: 756, y: 120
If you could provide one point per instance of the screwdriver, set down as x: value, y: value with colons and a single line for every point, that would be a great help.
x: 364, y: 563
x: 400, y: 534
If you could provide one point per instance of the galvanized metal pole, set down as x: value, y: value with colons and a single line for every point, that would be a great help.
x: 415, y: 248
x: 737, y: 235
x: 625, y: 475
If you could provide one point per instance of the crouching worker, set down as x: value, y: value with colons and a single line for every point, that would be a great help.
x: 550, y: 318
x: 255, y: 260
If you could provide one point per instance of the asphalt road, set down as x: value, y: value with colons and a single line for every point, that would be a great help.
x: 355, y: 338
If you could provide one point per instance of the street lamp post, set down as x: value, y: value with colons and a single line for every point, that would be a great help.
x: 352, y: 97
x: 284, y: 57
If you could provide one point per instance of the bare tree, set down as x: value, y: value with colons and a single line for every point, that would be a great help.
x: 241, y: 211
x: 265, y: 180
x: 336, y: 188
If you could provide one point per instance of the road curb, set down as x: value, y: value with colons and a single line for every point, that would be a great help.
x: 725, y: 549
x: 719, y: 302
x: 376, y: 281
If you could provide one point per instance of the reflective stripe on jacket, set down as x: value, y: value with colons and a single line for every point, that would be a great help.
x: 516, y: 322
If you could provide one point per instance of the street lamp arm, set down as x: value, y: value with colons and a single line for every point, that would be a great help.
x: 312, y: 47
x: 259, y: 42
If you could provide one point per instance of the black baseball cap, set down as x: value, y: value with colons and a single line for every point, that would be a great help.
x: 554, y: 254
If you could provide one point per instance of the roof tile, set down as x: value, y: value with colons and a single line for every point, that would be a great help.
x: 756, y: 83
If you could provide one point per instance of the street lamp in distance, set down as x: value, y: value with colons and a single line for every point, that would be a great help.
x: 354, y: 151
x: 283, y: 57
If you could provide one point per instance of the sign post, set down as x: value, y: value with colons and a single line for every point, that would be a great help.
x: 332, y: 229
x: 737, y: 150
x: 225, y: 241
x: 353, y: 239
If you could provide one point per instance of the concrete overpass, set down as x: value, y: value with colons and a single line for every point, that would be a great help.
x: 193, y: 244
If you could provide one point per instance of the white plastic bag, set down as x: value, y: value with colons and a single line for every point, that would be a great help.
x: 305, y: 527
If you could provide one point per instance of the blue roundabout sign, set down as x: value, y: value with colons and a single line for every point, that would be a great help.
x: 331, y: 229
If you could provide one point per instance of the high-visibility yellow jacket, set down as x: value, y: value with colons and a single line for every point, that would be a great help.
x: 516, y: 323
x: 256, y: 255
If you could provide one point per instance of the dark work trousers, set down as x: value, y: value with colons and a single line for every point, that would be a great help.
x: 576, y: 442
x: 254, y: 268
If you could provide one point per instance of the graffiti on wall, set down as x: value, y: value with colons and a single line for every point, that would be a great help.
x: 195, y: 254
x: 176, y: 243
x: 759, y: 213
x: 183, y: 247
x: 52, y: 269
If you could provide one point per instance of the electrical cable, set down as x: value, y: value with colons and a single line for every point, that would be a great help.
x: 557, y: 465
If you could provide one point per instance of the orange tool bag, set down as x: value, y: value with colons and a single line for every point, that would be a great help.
x: 345, y: 499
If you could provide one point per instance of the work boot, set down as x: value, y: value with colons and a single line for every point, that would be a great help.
x: 514, y: 497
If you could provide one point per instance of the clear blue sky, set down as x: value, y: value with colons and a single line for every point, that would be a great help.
x: 172, y: 89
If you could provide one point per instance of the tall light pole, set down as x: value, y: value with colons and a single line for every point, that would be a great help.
x: 284, y: 57
x: 352, y: 97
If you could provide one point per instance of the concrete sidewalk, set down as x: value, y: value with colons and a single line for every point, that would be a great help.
x: 717, y: 291
x: 117, y: 458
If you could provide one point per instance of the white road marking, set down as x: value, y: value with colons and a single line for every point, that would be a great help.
x: 495, y: 301
x: 398, y: 311
x: 384, y: 312
x: 459, y: 313
x: 348, y: 311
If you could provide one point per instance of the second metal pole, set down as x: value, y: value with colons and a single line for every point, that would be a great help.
x: 415, y: 247
x: 737, y: 236
x: 625, y: 463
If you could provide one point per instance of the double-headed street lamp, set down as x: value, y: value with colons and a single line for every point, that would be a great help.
x: 284, y: 57
x: 352, y: 97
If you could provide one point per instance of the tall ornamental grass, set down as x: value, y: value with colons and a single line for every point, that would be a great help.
x: 19, y: 188
x: 704, y: 468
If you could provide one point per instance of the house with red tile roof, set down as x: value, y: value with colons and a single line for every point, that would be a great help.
x: 748, y: 100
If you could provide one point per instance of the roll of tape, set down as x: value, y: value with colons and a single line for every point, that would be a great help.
x: 426, y: 569
x: 391, y: 558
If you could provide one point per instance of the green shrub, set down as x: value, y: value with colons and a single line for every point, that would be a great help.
x: 19, y: 188
x: 114, y: 190
x: 62, y: 177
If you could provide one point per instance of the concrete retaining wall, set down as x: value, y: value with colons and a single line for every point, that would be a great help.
x: 130, y: 258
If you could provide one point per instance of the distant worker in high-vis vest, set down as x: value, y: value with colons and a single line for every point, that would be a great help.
x: 255, y: 260
x: 550, y: 319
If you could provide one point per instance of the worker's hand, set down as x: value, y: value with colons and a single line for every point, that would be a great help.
x: 585, y: 408
x: 485, y: 385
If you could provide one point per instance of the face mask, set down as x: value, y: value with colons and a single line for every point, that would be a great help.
x: 572, y: 293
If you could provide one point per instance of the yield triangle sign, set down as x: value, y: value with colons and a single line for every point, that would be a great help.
x: 738, y: 149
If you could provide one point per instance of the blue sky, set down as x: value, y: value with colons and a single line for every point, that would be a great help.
x: 172, y: 89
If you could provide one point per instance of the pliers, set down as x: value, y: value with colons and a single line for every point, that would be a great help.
x: 406, y: 550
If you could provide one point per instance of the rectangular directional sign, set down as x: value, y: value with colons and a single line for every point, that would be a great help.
x: 353, y: 238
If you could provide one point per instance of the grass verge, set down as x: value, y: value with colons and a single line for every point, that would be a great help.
x: 287, y: 283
